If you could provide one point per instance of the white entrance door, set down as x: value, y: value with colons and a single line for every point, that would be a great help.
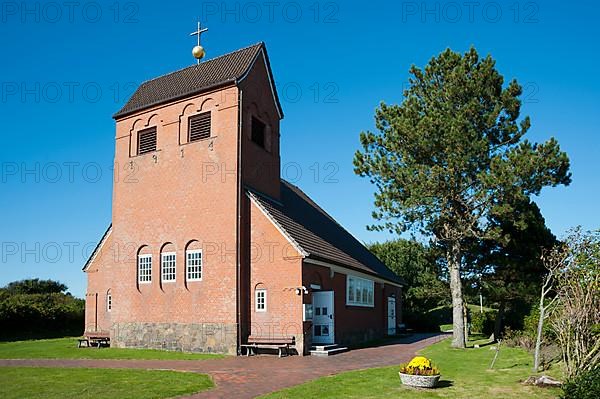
x: 391, y: 315
x: 323, y: 318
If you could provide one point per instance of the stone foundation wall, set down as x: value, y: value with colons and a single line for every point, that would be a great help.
x: 202, y: 337
x: 358, y: 337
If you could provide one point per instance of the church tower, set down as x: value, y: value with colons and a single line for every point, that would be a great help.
x: 188, y: 145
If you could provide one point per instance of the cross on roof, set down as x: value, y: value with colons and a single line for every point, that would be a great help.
x: 198, y: 32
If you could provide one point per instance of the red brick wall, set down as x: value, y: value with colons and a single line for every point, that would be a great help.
x: 277, y: 267
x: 97, y: 317
x: 260, y: 166
x: 353, y: 323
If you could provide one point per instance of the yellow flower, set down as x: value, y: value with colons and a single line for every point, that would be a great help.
x: 420, y: 362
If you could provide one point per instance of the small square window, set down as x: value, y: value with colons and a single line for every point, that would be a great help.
x: 109, y: 301
x: 261, y: 300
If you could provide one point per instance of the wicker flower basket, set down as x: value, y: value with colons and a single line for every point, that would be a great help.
x: 421, y: 381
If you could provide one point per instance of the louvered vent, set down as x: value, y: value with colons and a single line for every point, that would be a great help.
x: 199, y: 127
x: 147, y: 140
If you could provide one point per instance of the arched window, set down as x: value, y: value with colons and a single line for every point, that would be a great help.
x: 144, y: 265
x: 260, y: 298
x: 108, y: 300
x: 168, y: 263
x: 193, y: 261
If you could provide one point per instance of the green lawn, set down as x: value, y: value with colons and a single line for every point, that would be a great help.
x: 65, y: 383
x: 66, y: 348
x: 465, y: 374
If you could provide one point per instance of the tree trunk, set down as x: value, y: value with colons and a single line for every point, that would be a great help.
x: 498, y: 321
x: 466, y: 321
x: 538, y: 338
x: 458, y: 325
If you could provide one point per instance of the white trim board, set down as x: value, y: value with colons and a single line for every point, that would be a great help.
x: 346, y: 271
x: 98, y: 249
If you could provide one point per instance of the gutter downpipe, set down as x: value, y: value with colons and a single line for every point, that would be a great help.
x: 239, y: 225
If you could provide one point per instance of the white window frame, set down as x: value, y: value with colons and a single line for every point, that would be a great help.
x: 163, y: 267
x: 108, y: 301
x: 188, y: 266
x: 257, y: 302
x: 361, y: 284
x: 145, y: 274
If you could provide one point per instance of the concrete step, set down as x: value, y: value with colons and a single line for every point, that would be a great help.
x: 324, y: 347
x: 332, y: 350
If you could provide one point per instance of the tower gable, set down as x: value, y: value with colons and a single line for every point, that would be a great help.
x: 228, y: 69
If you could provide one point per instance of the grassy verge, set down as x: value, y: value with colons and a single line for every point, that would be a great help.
x: 66, y: 348
x: 465, y: 374
x: 64, y: 383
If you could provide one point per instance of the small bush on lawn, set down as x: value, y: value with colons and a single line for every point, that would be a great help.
x: 482, y: 323
x: 585, y: 386
x: 518, y: 339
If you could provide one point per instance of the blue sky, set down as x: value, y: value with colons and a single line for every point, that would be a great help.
x: 67, y: 68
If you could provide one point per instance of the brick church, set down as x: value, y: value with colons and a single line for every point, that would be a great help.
x: 208, y: 246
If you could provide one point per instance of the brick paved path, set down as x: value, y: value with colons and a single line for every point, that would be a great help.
x: 247, y: 377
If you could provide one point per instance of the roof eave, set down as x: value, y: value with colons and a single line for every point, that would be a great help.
x: 121, y: 115
x: 399, y: 281
x: 97, y: 249
x: 263, y: 51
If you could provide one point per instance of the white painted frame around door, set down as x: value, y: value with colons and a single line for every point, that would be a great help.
x: 323, y: 329
x: 391, y: 311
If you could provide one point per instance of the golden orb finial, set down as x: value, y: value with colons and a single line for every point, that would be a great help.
x: 198, y: 52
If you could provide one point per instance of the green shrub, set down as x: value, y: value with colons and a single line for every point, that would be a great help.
x: 482, y: 323
x: 38, y: 311
x: 420, y: 322
x: 518, y: 339
x: 585, y: 386
x: 530, y: 325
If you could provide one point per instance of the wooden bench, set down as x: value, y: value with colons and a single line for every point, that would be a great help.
x: 282, y: 344
x: 97, y: 339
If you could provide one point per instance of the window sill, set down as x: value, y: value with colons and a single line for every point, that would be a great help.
x: 198, y: 141
x: 260, y: 147
x: 146, y: 153
x: 357, y: 305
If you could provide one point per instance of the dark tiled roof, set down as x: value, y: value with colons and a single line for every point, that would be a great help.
x: 192, y: 80
x: 318, y: 234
